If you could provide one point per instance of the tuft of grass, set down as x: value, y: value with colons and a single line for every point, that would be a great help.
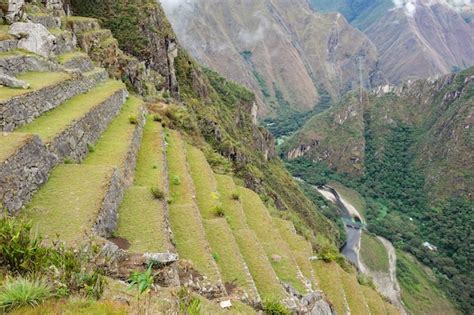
x: 157, y: 118
x: 157, y: 193
x: 18, y: 292
x: 219, y: 212
x: 90, y: 148
x: 176, y: 180
x: 133, y: 120
x: 274, y: 307
x: 235, y: 195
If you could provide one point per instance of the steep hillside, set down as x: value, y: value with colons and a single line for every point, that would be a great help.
x: 414, y: 39
x: 181, y: 199
x: 291, y: 56
x: 409, y: 150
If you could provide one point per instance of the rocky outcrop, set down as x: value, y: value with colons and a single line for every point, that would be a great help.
x: 33, y: 37
x: 22, y: 173
x: 23, y: 109
x: 9, y: 81
x: 15, y: 10
x: 15, y: 64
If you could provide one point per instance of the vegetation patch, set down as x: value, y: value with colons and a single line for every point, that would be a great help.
x: 142, y: 221
x: 114, y: 144
x: 373, y: 253
x: 37, y: 81
x: 17, y: 292
x: 53, y: 122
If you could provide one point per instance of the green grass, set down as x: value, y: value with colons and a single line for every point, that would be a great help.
x: 114, y: 144
x: 204, y: 181
x: 141, y: 221
x: 353, y: 292
x: 418, y: 288
x: 261, y: 223
x: 37, y: 81
x: 227, y: 254
x: 373, y: 253
x: 259, y: 266
x: 300, y: 247
x: 150, y: 162
x: 374, y: 301
x: 66, y: 57
x: 330, y: 283
x: 257, y: 261
x: 184, y: 215
x: 11, y: 142
x: 18, y: 292
x: 68, y: 204
x: 234, y: 213
x: 53, y: 122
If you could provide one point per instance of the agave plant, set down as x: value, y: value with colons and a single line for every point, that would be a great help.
x: 17, y: 292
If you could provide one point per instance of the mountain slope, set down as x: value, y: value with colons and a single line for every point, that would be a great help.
x: 285, y: 52
x: 414, y: 39
x: 409, y: 150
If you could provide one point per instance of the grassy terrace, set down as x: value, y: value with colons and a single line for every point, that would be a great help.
x: 37, y: 81
x: 150, y: 162
x: 227, y: 255
x: 299, y: 246
x: 141, y: 221
x: 330, y: 283
x: 11, y: 142
x: 185, y: 218
x: 114, y: 143
x: 223, y: 245
x: 254, y: 255
x: 68, y: 204
x: 373, y: 253
x: 354, y: 296
x: 204, y: 181
x: 55, y: 121
x: 374, y: 301
x: 71, y: 55
x: 261, y: 223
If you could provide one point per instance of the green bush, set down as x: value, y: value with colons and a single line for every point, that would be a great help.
x: 17, y: 292
x: 157, y: 193
x: 236, y: 195
x: 157, y: 118
x: 218, y: 211
x: 90, y: 148
x: 188, y: 304
x: 133, y: 120
x: 166, y: 94
x: 274, y: 307
x: 176, y: 180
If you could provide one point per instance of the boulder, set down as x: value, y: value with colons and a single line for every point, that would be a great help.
x: 9, y: 81
x: 15, y: 10
x: 56, y: 6
x: 34, y: 37
x: 160, y: 258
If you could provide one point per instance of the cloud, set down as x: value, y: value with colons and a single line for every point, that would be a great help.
x: 172, y: 5
x: 409, y: 6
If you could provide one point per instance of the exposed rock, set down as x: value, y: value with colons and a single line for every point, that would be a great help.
x: 276, y: 258
x: 160, y: 258
x: 15, y: 10
x: 56, y: 6
x: 16, y: 64
x: 34, y: 37
x: 314, y: 303
x: 12, y: 82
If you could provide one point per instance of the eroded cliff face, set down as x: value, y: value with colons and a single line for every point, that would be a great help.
x: 282, y: 50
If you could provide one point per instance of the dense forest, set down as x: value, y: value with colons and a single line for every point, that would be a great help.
x: 399, y: 209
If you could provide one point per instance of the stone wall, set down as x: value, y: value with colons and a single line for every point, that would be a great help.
x: 81, y: 62
x: 72, y: 142
x: 9, y: 44
x: 23, y: 109
x: 16, y: 64
x: 131, y: 159
x: 106, y: 222
x: 23, y: 173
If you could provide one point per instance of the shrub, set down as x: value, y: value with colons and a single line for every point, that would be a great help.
x: 236, y: 196
x: 188, y: 304
x: 365, y: 281
x: 157, y: 193
x: 17, y: 292
x: 219, y: 211
x: 274, y: 307
x: 215, y: 256
x: 166, y: 94
x: 176, y: 180
x: 157, y: 118
x: 90, y: 148
x: 133, y: 120
x: 68, y: 160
